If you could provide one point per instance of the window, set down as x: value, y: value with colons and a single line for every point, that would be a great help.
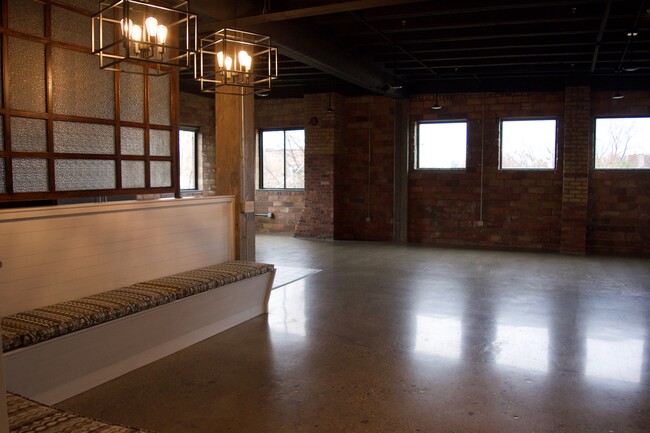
x: 282, y: 159
x: 528, y: 144
x: 442, y: 145
x: 622, y: 143
x: 188, y: 158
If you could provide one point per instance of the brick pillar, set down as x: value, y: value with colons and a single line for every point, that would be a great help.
x: 323, y: 136
x: 575, y: 183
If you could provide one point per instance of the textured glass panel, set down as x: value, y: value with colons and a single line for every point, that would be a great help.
x: 2, y: 132
x: 28, y: 135
x: 132, y: 174
x: 80, y: 87
x: 1, y: 77
x: 74, y: 137
x: 161, y: 173
x: 71, y: 27
x: 26, y: 75
x: 3, y: 187
x: 132, y: 141
x: 30, y: 175
x: 27, y: 16
x: 87, y: 5
x: 132, y: 95
x: 159, y: 142
x: 84, y: 174
x: 159, y: 100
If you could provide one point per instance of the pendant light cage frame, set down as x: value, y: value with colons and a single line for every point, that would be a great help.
x: 221, y: 68
x: 116, y: 42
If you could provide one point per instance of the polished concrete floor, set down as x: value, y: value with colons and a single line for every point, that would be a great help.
x: 402, y: 338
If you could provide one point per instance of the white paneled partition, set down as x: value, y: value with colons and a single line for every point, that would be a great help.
x: 58, y: 253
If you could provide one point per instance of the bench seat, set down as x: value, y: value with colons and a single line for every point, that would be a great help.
x: 29, y: 416
x: 31, y: 327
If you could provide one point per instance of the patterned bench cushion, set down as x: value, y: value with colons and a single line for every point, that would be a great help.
x: 30, y: 327
x: 28, y: 416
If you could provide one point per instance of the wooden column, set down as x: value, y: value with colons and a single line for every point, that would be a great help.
x: 235, y: 165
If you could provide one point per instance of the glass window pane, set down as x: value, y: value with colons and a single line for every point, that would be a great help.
x: 2, y: 133
x: 159, y: 142
x: 26, y: 75
x: 442, y: 145
x: 30, y: 175
x: 187, y: 158
x: 3, y: 187
x: 295, y: 158
x: 622, y: 143
x: 92, y: 96
x: 161, y: 174
x: 27, y: 16
x: 528, y: 144
x: 132, y: 141
x: 28, y: 135
x: 273, y: 159
x: 159, y: 100
x: 71, y: 27
x: 132, y: 174
x: 84, y: 174
x: 77, y: 137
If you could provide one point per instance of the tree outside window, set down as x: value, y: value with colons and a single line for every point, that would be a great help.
x: 622, y: 143
x: 528, y: 144
x: 282, y: 162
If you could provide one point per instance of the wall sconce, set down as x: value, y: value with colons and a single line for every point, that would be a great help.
x: 236, y: 58
x: 144, y: 32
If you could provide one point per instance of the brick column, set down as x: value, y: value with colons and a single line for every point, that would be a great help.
x: 323, y: 136
x: 575, y: 183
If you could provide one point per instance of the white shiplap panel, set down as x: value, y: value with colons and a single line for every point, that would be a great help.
x: 64, y: 252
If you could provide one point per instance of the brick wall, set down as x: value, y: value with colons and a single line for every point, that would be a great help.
x: 198, y: 111
x: 519, y: 209
x: 286, y: 206
x: 324, y: 138
x: 365, y: 170
x: 619, y: 201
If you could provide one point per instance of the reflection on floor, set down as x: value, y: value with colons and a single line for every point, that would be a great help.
x: 404, y: 338
x: 286, y: 274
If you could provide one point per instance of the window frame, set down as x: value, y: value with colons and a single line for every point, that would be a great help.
x: 594, y: 149
x: 260, y: 158
x: 195, y: 130
x: 528, y: 119
x: 417, y: 134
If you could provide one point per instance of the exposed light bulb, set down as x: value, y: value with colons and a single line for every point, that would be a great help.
x: 136, y: 32
x: 161, y: 34
x: 228, y: 62
x: 126, y: 27
x: 220, y: 59
x: 152, y: 26
x: 244, y: 60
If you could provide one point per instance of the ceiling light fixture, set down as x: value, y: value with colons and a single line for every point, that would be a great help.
x: 618, y: 95
x: 233, y: 61
x: 148, y: 33
x: 436, y: 105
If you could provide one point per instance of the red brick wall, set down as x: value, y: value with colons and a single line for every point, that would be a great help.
x: 520, y: 209
x: 364, y: 170
x: 198, y: 111
x: 286, y: 206
x: 619, y: 201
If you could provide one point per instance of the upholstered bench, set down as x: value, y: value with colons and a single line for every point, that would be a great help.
x: 57, y: 351
x: 26, y: 415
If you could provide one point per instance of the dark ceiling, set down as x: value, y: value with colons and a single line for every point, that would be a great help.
x: 401, y: 47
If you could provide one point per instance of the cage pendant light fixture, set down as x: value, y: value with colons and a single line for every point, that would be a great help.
x: 154, y: 33
x: 237, y: 62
